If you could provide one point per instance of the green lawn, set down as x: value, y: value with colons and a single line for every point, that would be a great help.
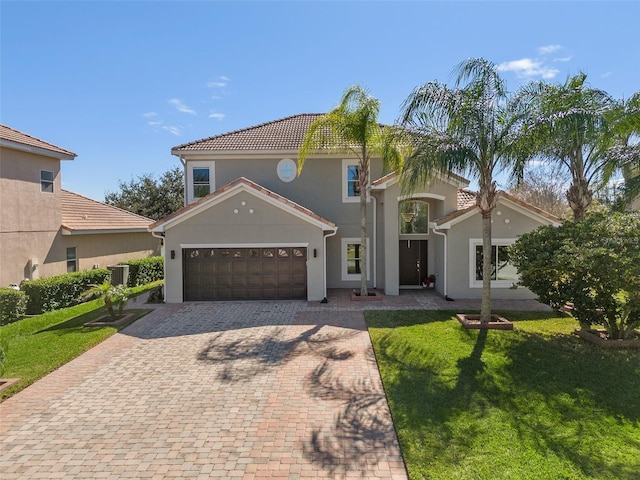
x: 37, y: 345
x: 534, y: 403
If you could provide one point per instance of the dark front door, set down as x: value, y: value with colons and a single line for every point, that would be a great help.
x: 245, y: 273
x: 413, y: 262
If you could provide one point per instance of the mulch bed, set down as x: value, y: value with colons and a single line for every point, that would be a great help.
x: 473, y: 322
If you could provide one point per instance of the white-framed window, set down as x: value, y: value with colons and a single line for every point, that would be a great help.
x: 351, y: 259
x: 72, y: 260
x: 503, y: 273
x: 350, y: 181
x: 414, y: 217
x: 46, y: 181
x: 200, y: 180
x: 287, y: 170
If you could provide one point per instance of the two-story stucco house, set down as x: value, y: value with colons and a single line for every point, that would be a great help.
x: 45, y: 230
x: 253, y: 228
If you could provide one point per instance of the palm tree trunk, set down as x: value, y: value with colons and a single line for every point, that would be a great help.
x: 485, y: 308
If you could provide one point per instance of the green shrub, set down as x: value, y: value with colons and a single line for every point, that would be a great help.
x: 61, y: 291
x: 143, y: 271
x: 593, y: 264
x: 13, y: 305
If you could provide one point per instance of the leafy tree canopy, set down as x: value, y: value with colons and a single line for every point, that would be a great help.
x: 593, y: 263
x: 150, y: 197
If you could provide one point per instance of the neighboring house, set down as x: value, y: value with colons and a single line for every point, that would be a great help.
x: 252, y: 228
x: 45, y: 230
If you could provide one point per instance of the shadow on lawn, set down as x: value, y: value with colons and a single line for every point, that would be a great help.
x: 556, y: 393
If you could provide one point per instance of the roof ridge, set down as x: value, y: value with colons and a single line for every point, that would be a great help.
x: 246, y: 129
x: 69, y: 152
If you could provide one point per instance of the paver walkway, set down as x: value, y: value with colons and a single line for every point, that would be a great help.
x: 250, y: 390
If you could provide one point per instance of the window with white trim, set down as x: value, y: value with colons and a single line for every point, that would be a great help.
x: 46, y: 181
x: 503, y: 273
x: 352, y: 258
x: 72, y: 260
x: 350, y: 181
x: 200, y: 180
x: 287, y: 170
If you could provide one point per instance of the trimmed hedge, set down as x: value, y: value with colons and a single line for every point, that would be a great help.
x: 13, y: 305
x: 145, y: 270
x: 61, y: 291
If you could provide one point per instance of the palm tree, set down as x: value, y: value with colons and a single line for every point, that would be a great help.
x: 352, y: 127
x: 574, y: 127
x: 471, y: 130
x: 624, y: 156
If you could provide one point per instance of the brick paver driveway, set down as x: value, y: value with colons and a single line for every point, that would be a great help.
x: 202, y: 390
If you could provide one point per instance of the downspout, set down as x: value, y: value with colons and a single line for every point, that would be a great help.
x: 324, y: 267
x: 375, y: 243
x: 444, y: 273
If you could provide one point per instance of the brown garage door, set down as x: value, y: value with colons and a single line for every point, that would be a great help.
x: 244, y: 273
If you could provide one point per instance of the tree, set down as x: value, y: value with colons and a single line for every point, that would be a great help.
x: 149, y: 197
x: 572, y: 126
x: 592, y: 263
x: 470, y: 130
x: 544, y: 187
x: 352, y: 127
x: 625, y: 156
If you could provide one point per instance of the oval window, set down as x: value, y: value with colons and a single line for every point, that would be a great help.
x: 287, y: 170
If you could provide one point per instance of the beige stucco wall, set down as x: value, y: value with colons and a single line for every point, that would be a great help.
x: 49, y: 250
x: 218, y: 226
x: 458, y: 255
x: 29, y: 219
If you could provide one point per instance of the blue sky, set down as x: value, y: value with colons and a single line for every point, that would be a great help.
x: 120, y: 83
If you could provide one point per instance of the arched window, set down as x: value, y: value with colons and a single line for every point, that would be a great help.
x: 414, y: 217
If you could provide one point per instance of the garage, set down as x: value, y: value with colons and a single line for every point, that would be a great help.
x: 258, y: 273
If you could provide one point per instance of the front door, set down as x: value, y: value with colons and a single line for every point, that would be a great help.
x: 413, y: 262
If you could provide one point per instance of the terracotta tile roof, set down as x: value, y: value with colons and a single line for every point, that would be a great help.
x: 283, y: 134
x: 471, y: 205
x: 84, y: 215
x: 13, y: 135
x: 466, y: 198
x: 243, y: 181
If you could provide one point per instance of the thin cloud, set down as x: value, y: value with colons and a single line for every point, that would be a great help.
x: 154, y: 123
x: 181, y: 107
x: 220, y: 82
x: 606, y: 74
x: 547, y: 49
x: 150, y: 115
x: 563, y: 59
x: 217, y: 115
x: 172, y: 129
x: 528, y: 68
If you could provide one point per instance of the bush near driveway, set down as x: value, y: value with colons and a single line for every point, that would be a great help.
x: 535, y: 403
x: 13, y: 305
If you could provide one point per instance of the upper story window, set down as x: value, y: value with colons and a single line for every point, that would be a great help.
x: 200, y: 180
x: 46, y: 181
x: 350, y: 181
x: 287, y: 170
x: 414, y: 217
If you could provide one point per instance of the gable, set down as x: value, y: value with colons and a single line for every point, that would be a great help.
x: 244, y: 187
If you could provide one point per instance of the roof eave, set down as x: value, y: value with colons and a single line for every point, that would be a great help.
x: 37, y: 150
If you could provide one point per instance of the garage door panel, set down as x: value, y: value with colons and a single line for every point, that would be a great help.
x: 245, y: 273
